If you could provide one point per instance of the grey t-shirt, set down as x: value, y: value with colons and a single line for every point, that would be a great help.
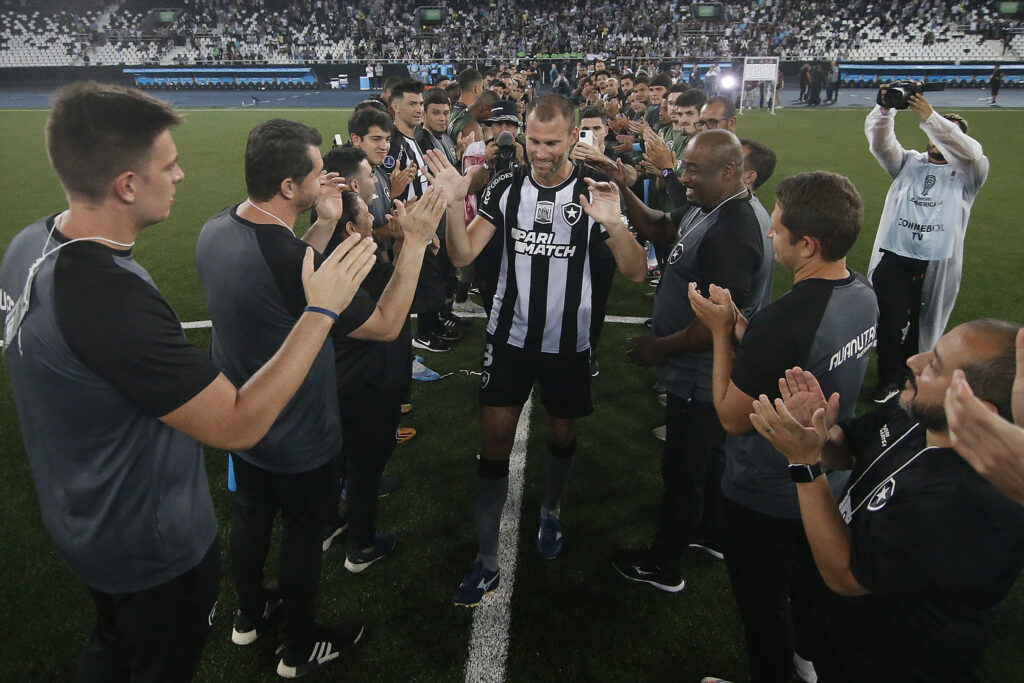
x: 252, y: 274
x: 824, y: 326
x: 99, y: 357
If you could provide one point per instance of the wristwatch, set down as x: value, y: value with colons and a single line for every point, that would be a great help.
x: 802, y: 474
x: 665, y: 172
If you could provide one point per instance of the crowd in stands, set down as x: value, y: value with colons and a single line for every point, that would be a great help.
x: 283, y: 31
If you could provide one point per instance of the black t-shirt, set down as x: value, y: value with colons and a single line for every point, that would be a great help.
x: 373, y: 367
x: 938, y: 547
x: 125, y: 331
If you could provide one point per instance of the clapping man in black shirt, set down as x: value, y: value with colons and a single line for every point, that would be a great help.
x: 920, y: 550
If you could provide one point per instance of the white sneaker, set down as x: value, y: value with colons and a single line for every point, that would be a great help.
x: 712, y: 679
x: 659, y: 432
x: 804, y: 669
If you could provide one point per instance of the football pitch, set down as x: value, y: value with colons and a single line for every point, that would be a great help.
x: 572, y: 619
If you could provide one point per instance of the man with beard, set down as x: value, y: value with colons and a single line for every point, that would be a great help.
x: 920, y: 550
x: 249, y: 262
x: 539, y: 328
x: 825, y: 324
x: 918, y: 252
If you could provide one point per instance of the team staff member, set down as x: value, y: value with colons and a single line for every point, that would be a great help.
x: 825, y: 324
x: 919, y: 248
x: 539, y: 329
x: 248, y: 257
x: 921, y: 550
x: 716, y: 238
x: 111, y: 397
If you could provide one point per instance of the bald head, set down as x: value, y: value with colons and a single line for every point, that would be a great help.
x: 990, y: 365
x: 712, y: 168
x: 719, y: 147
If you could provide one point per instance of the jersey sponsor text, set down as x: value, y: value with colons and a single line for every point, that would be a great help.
x: 855, y: 348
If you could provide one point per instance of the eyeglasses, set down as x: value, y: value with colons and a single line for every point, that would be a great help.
x: 707, y: 123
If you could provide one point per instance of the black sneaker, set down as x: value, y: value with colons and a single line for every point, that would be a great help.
x: 448, y: 333
x: 884, y: 392
x: 248, y: 628
x: 595, y: 369
x: 451, y: 318
x: 333, y: 530
x: 328, y: 646
x: 360, y: 560
x: 431, y: 343
x: 641, y: 565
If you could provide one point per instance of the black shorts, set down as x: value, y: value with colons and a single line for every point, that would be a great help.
x: 509, y: 374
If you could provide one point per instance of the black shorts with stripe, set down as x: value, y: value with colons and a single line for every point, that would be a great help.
x: 509, y: 374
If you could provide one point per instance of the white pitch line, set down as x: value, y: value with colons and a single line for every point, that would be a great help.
x: 205, y: 325
x: 488, y: 643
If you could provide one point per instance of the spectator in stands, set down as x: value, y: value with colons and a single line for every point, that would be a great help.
x: 920, y: 550
x: 915, y: 269
x: 816, y: 221
x: 125, y: 399
x: 716, y: 237
x: 251, y: 248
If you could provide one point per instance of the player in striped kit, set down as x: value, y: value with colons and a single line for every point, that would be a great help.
x: 552, y: 214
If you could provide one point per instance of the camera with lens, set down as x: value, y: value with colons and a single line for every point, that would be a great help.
x: 898, y: 94
x: 506, y: 143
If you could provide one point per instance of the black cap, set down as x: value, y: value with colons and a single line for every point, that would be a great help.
x: 503, y: 111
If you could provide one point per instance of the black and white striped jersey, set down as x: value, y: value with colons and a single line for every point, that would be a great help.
x: 543, y: 298
x: 408, y: 152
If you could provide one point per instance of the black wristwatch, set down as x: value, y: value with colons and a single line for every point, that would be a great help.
x: 802, y: 474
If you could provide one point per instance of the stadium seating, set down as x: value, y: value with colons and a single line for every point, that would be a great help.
x: 285, y: 32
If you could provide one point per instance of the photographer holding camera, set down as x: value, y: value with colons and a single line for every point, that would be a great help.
x: 918, y: 251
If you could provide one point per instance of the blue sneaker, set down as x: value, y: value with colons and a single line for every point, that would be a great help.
x: 422, y: 373
x: 477, y: 583
x: 549, y: 538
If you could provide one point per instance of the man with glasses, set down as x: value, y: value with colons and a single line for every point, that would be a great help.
x: 718, y: 113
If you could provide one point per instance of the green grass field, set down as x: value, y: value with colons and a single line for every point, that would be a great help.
x: 574, y: 619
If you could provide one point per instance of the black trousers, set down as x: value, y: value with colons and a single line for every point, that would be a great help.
x: 156, y: 634
x: 777, y: 588
x: 602, y: 275
x: 304, y: 500
x: 368, y: 424
x: 898, y: 283
x: 692, y: 464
